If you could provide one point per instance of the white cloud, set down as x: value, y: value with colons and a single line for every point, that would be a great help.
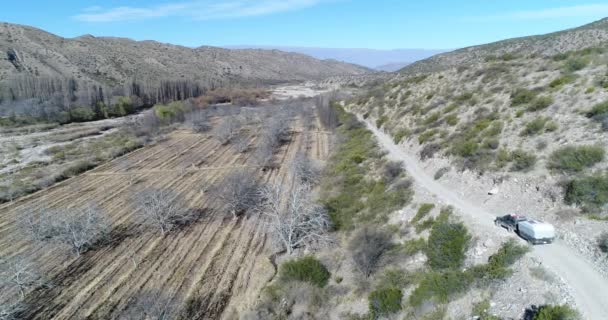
x: 198, y: 10
x: 588, y: 10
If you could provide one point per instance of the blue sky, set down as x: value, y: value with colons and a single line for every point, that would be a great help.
x: 379, y: 24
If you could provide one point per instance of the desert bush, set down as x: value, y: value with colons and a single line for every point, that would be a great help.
x: 499, y: 263
x: 522, y: 96
x: 440, y: 286
x: 599, y: 113
x: 540, y: 103
x: 559, y: 312
x: 588, y: 191
x: 575, y: 64
x: 403, y: 133
x: 429, y: 151
x: 535, y: 126
x: 561, y: 81
x: 384, y: 301
x: 368, y: 248
x: 481, y: 311
x: 392, y: 170
x: 427, y: 136
x: 381, y: 121
x: 306, y: 269
x: 423, y: 210
x: 602, y: 242
x: 522, y: 160
x: 447, y: 245
x: 576, y: 158
x: 451, y: 119
x: 441, y: 172
x: 395, y: 278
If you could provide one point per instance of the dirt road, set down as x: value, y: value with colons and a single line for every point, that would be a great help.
x: 589, y: 287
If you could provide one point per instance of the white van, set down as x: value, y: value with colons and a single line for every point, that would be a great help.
x: 536, y: 232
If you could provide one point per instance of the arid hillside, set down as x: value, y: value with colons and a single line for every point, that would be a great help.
x: 115, y: 61
x: 593, y: 34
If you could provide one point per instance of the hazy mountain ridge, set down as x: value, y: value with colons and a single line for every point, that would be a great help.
x: 371, y: 58
x: 112, y: 61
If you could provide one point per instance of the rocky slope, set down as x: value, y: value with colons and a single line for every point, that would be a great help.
x: 113, y: 61
x: 527, y: 118
x: 594, y: 34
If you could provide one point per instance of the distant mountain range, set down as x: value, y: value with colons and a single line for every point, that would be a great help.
x: 382, y: 60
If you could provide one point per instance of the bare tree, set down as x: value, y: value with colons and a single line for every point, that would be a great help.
x: 227, y: 129
x: 368, y: 247
x: 241, y: 143
x: 326, y: 112
x: 304, y: 169
x: 9, y: 310
x: 198, y: 121
x: 20, y: 273
x: 150, y: 305
x: 238, y: 192
x: 35, y: 223
x: 295, y: 219
x: 162, y: 209
x: 79, y: 228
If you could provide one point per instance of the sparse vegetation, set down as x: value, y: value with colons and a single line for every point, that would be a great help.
x: 306, y: 269
x: 522, y: 160
x: 384, y: 301
x: 575, y: 158
x: 558, y: 312
x: 588, y: 191
x: 423, y: 211
x: 447, y: 245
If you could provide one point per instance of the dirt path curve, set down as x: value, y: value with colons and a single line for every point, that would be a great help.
x: 589, y: 287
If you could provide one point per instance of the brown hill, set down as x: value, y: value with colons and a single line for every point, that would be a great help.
x: 114, y: 61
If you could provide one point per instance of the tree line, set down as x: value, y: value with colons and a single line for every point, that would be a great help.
x: 28, y: 99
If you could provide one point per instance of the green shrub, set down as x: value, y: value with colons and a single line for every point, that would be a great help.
x: 590, y: 191
x: 522, y: 96
x: 465, y: 148
x: 441, y: 286
x: 424, y: 209
x: 403, y: 133
x: 575, y: 64
x: 381, y: 121
x: 467, y: 96
x: 561, y: 81
x: 450, y: 108
x: 411, y: 247
x: 522, y: 160
x: 599, y: 110
x: 535, y: 126
x: 575, y: 159
x: 395, y: 278
x: 384, y: 301
x: 432, y: 118
x: 499, y: 263
x: 482, y: 311
x: 425, y: 225
x: 559, y: 312
x: 447, y: 245
x: 551, y: 126
x: 540, y: 103
x: 451, y: 119
x: 427, y: 136
x: 307, y: 269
